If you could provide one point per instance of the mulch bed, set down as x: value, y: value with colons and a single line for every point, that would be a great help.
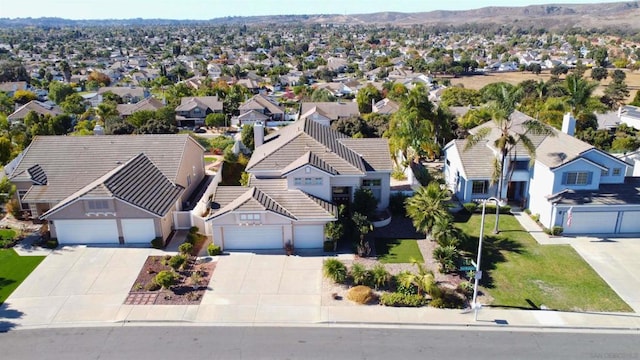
x: 184, y: 292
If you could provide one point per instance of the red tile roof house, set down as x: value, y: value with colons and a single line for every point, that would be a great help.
x: 121, y: 189
x: 298, y: 176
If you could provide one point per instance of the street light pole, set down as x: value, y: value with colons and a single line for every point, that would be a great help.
x: 478, y: 273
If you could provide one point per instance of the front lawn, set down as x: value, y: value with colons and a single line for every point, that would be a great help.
x: 393, y: 251
x: 521, y: 273
x: 13, y: 270
x: 7, y: 237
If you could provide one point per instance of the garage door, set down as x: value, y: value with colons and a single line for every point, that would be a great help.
x: 252, y: 237
x: 86, y: 231
x: 591, y: 223
x: 308, y: 236
x: 137, y: 231
x: 630, y: 222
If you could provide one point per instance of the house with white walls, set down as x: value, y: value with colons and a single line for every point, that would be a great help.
x: 569, y: 183
x: 298, y: 176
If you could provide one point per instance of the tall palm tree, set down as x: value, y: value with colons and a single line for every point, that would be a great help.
x: 579, y: 92
x: 427, y: 206
x: 501, y: 110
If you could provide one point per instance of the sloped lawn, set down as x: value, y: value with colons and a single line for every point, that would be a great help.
x: 394, y: 251
x: 13, y: 270
x: 521, y: 273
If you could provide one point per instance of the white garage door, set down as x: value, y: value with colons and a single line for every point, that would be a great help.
x: 630, y: 222
x: 86, y: 231
x: 591, y: 223
x: 308, y: 236
x: 136, y: 231
x: 252, y: 237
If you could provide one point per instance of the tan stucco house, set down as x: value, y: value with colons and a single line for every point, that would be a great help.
x: 119, y: 189
x: 298, y: 176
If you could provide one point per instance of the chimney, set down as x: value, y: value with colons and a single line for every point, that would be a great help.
x: 619, y: 112
x: 568, y: 124
x: 98, y: 130
x: 258, y: 134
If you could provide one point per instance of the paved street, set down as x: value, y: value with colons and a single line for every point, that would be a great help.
x: 311, y: 343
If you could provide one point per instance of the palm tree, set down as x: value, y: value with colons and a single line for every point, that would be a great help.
x: 579, y: 90
x: 424, y: 280
x: 428, y: 205
x: 502, y: 109
x: 444, y: 233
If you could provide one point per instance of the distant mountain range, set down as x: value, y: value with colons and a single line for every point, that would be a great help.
x: 619, y: 14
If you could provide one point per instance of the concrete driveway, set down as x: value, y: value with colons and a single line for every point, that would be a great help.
x: 76, y: 284
x: 616, y: 260
x: 255, y: 288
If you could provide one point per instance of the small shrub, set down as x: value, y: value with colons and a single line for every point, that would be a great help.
x: 547, y: 231
x: 193, y: 230
x: 465, y: 288
x: 335, y: 270
x: 138, y: 287
x: 527, y: 211
x: 13, y: 208
x: 446, y: 256
x: 152, y: 286
x: 157, y: 243
x: 557, y: 230
x: 165, y: 278
x: 398, y: 174
x: 535, y: 217
x: 405, y: 287
x: 361, y: 294
x: 379, y: 276
x: 191, y: 238
x: 402, y: 300
x: 359, y: 274
x: 471, y: 207
x: 185, y: 248
x: 177, y: 261
x: 51, y: 243
x: 447, y: 299
x: 213, y: 250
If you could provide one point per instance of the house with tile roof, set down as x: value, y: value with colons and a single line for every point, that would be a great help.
x: 298, y: 177
x: 570, y: 183
x: 39, y: 107
x: 121, y: 189
x: 261, y: 104
x: 149, y: 104
x: 326, y: 112
x: 192, y: 111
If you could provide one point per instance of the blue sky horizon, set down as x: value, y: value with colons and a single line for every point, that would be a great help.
x: 204, y: 10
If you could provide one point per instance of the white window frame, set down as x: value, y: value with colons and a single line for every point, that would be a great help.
x: 577, y: 178
x: 485, y: 187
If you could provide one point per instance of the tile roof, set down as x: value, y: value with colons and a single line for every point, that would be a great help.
x: 237, y: 198
x: 260, y: 102
x: 375, y: 152
x: 150, y: 104
x: 72, y: 162
x: 206, y: 102
x: 37, y: 106
x: 551, y: 151
x: 332, y: 110
x: 310, y: 158
x: 476, y: 161
x: 283, y: 147
x: 137, y: 182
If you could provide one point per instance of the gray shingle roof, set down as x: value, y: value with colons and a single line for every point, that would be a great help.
x: 375, y: 152
x: 234, y: 198
x: 36, y: 106
x: 137, y: 182
x: 332, y: 110
x: 627, y: 193
x: 190, y: 103
x: 310, y: 158
x: 476, y: 161
x: 72, y: 162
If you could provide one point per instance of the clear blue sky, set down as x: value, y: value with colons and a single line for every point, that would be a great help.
x: 209, y: 9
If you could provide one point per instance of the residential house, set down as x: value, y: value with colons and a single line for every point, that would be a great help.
x: 326, y: 112
x: 149, y: 104
x: 107, y: 189
x: 385, y: 106
x: 630, y: 115
x: 129, y: 94
x: 39, y: 107
x: 570, y: 183
x: 259, y: 108
x: 11, y: 87
x: 192, y: 111
x: 298, y: 177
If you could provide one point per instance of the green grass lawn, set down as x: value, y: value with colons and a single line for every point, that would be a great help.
x: 521, y: 273
x: 210, y: 159
x: 6, y: 237
x: 393, y: 251
x: 13, y: 270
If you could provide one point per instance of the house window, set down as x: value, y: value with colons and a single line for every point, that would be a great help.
x: 617, y: 171
x: 307, y: 181
x: 521, y: 165
x: 577, y: 178
x: 98, y: 204
x: 374, y: 186
x: 372, y: 182
x: 21, y: 194
x: 196, y: 111
x: 249, y: 217
x: 605, y: 172
x: 479, y: 187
